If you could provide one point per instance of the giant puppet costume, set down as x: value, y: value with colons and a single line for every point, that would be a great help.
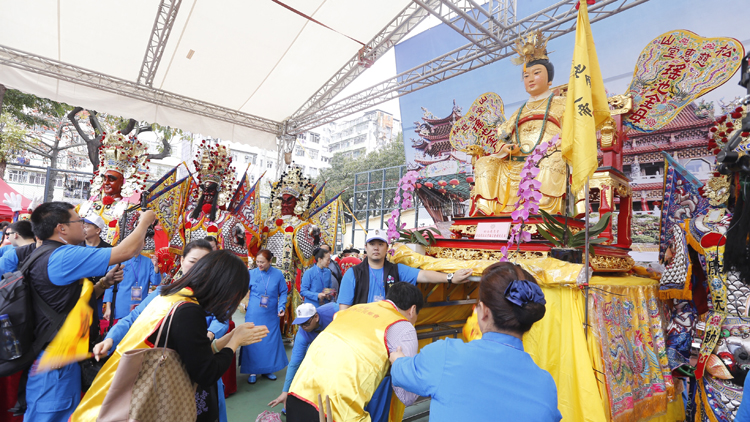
x: 207, y: 215
x: 122, y: 172
x: 538, y: 120
x: 706, y: 281
x: 290, y: 237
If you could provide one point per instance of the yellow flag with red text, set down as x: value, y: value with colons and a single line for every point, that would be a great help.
x: 586, y: 107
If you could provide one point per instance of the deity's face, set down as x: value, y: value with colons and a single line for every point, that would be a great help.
x: 288, y: 202
x: 209, y: 190
x: 112, y: 185
x: 535, y: 79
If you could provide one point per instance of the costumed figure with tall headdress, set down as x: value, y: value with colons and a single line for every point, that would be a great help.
x: 707, y: 257
x: 123, y: 169
x: 497, y: 167
x: 291, y: 238
x: 206, y: 215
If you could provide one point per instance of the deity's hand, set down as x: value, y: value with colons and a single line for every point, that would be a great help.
x: 508, y: 149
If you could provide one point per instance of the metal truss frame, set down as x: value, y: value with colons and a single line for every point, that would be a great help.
x: 491, y: 29
x: 163, y: 23
x: 554, y: 21
x: 65, y: 72
x: 397, y: 29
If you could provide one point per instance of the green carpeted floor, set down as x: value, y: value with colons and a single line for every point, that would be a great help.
x: 251, y: 400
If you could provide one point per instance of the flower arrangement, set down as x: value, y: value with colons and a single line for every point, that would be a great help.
x: 528, y: 194
x: 404, y: 199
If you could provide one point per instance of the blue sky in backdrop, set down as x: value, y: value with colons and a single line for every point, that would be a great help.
x: 619, y: 40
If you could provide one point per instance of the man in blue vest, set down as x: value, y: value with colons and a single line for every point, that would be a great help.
x: 370, y: 280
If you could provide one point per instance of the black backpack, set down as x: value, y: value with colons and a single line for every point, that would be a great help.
x: 16, y: 296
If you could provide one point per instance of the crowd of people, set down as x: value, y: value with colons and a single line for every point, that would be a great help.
x: 355, y: 343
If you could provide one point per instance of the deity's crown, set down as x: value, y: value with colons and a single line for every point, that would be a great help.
x: 127, y: 156
x: 530, y: 47
x: 214, y: 164
x: 293, y: 182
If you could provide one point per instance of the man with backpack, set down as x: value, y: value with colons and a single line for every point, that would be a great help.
x: 54, y: 276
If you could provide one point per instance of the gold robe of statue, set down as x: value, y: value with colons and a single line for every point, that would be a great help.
x: 496, y: 179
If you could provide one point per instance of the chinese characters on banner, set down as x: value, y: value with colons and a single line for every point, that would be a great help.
x: 673, y: 70
x: 478, y: 127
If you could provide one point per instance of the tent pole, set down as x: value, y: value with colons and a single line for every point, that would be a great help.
x: 586, y: 260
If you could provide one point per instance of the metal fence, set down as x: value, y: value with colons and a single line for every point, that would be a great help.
x: 374, y: 192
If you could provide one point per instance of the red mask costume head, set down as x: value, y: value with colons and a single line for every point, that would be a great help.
x: 112, y: 184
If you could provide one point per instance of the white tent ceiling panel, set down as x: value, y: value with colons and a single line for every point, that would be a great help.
x: 95, y: 99
x: 359, y: 19
x: 301, y: 72
x: 106, y: 37
x: 232, y: 45
x: 256, y: 57
x: 28, y: 30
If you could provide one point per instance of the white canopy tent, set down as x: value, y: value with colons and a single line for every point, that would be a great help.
x: 255, y: 60
x: 247, y: 71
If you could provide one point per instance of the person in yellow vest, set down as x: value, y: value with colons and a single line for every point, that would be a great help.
x: 349, y: 360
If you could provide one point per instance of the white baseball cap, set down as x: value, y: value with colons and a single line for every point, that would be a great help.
x: 95, y: 220
x: 376, y: 234
x: 304, y: 312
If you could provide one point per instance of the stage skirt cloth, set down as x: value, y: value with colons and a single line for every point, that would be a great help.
x: 268, y: 355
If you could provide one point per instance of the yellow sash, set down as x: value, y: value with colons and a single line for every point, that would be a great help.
x: 71, y: 343
x: 136, y: 337
x: 355, y: 344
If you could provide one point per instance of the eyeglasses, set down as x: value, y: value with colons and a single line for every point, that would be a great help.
x: 307, y: 323
x: 76, y: 221
x: 10, y: 233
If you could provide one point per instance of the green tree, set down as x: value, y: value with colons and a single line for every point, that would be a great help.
x: 35, y: 115
x: 12, y: 137
x: 340, y: 175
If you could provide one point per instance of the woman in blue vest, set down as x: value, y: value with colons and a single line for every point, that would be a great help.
x: 492, y: 376
x: 267, y: 303
x: 316, y: 279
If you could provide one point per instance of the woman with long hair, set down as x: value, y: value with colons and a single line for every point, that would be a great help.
x: 267, y: 303
x: 192, y: 253
x: 492, y: 377
x: 215, y: 285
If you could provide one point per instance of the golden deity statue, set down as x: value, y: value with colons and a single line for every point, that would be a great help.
x: 539, y: 119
